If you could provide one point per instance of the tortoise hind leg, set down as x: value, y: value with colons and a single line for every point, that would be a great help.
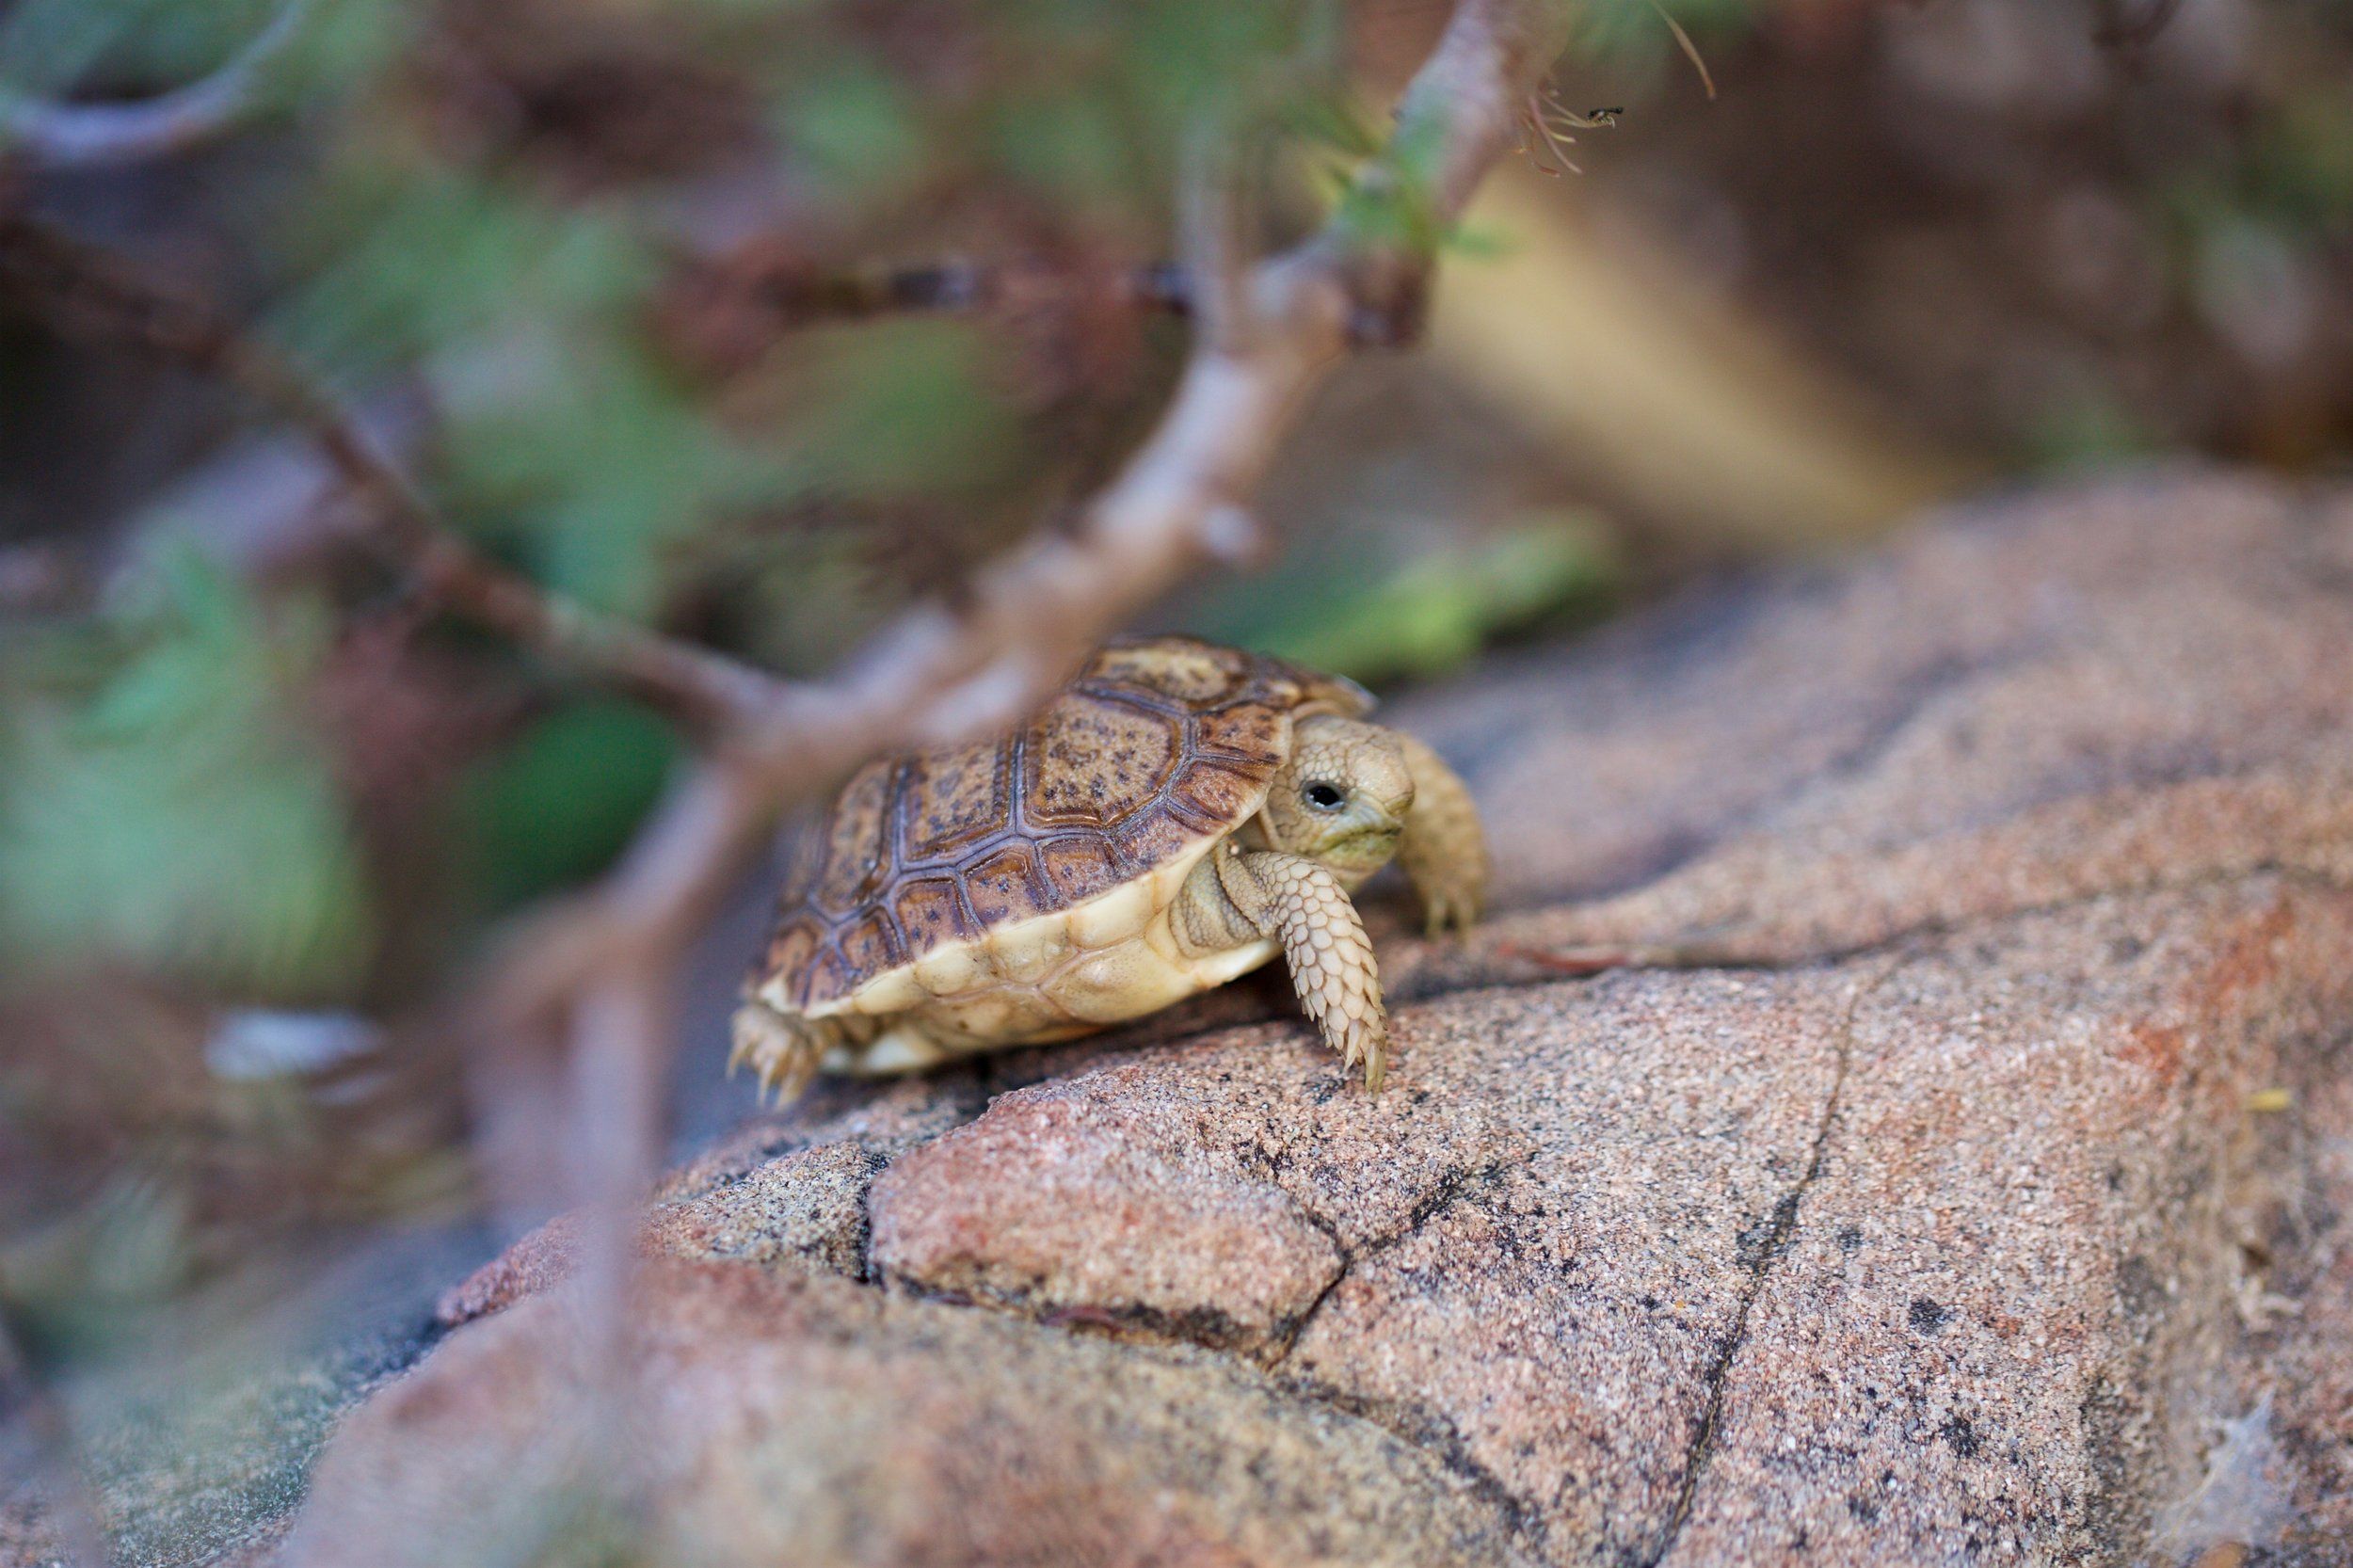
x: 784, y: 1050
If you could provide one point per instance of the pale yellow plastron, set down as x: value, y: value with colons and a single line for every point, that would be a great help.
x: 1106, y: 961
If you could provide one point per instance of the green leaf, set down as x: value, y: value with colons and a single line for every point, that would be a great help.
x: 1070, y: 147
x: 182, y: 816
x: 583, y: 447
x: 857, y: 126
x: 1471, y: 241
x: 420, y: 260
x: 901, y: 409
x: 558, y: 802
x: 47, y: 44
x: 2302, y: 160
x: 1430, y: 614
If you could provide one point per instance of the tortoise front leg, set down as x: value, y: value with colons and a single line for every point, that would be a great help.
x: 1444, y: 849
x: 1303, y: 905
x: 784, y: 1050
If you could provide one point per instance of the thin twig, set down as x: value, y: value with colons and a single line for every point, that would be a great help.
x: 85, y: 136
x: 790, y: 293
x: 81, y: 287
x: 1690, y: 50
x: 727, y: 314
x: 1212, y: 204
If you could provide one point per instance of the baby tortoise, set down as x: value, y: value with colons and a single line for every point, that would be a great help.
x: 1174, y: 817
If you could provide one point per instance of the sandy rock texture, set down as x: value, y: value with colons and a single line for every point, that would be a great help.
x: 1903, y: 1114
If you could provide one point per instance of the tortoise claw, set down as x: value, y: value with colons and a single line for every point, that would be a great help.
x: 784, y: 1051
x: 1359, y: 1041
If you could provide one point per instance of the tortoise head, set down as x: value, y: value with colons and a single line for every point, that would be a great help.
x: 1342, y: 798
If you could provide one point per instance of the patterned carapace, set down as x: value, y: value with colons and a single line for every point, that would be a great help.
x: 1135, y: 760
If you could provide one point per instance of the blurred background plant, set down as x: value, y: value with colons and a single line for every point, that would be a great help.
x: 628, y: 283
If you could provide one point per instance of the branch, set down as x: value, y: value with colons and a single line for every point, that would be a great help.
x: 938, y: 675
x: 82, y: 288
x: 598, y: 974
x: 792, y: 294
x: 88, y: 136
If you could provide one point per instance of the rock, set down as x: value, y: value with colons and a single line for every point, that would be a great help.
x: 200, y: 1458
x: 1958, y: 1173
x: 802, y: 1419
x: 808, y: 1206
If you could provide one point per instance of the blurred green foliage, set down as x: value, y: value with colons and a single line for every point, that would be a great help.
x: 49, y: 48
x: 1637, y: 37
x: 402, y: 257
x: 904, y: 410
x: 858, y: 128
x: 1375, y: 619
x: 2300, y: 158
x: 2086, y: 429
x: 449, y: 210
x: 75, y: 1286
x: 166, y: 804
x: 558, y: 800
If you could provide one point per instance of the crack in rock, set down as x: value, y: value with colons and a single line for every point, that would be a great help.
x: 1759, y: 1258
x: 1439, y: 1439
x: 1460, y: 1184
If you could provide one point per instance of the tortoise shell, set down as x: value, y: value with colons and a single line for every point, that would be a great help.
x: 1156, y: 748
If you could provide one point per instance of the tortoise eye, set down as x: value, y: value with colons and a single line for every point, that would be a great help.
x: 1324, y: 797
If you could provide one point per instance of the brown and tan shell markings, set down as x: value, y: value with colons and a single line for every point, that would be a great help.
x: 1156, y: 746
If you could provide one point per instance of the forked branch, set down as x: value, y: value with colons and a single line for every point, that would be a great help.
x: 594, y: 975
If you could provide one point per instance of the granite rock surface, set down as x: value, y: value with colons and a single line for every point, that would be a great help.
x: 1901, y: 1114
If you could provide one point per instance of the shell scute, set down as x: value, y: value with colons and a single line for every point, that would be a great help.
x: 1249, y: 732
x: 871, y: 943
x: 1193, y: 675
x: 930, y: 911
x: 857, y: 842
x: 1003, y: 886
x: 829, y: 976
x: 1150, y: 839
x: 1080, y: 866
x: 788, y: 953
x: 1093, y: 760
x: 1218, y: 793
x: 954, y: 800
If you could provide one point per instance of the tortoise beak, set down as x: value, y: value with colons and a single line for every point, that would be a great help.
x: 1367, y: 848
